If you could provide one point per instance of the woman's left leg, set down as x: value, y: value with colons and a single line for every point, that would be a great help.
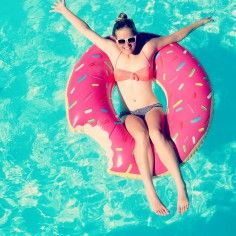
x: 155, y: 120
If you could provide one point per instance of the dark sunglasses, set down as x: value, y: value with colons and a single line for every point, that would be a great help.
x: 129, y: 40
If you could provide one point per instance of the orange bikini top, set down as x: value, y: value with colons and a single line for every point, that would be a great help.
x: 144, y: 74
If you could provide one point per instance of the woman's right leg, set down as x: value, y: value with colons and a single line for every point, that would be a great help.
x: 143, y: 157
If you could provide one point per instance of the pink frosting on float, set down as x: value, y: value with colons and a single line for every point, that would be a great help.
x: 90, y: 110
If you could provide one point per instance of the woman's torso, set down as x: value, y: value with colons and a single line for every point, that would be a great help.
x: 136, y: 89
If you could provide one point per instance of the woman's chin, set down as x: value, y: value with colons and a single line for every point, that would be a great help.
x: 128, y: 51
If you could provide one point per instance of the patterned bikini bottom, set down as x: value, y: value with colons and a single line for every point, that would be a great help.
x: 141, y: 112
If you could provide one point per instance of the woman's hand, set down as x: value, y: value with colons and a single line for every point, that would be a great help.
x: 206, y: 20
x: 59, y: 6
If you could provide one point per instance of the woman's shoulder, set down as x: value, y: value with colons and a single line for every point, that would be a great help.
x: 146, y: 43
x: 149, y: 49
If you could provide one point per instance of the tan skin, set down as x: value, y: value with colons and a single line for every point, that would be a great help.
x: 130, y: 90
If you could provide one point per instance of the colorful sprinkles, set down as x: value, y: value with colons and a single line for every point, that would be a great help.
x: 176, y: 135
x: 187, y: 103
x: 129, y: 168
x: 79, y: 67
x: 88, y: 111
x: 76, y: 118
x: 179, y: 109
x: 209, y: 96
x: 72, y: 90
x: 82, y: 78
x: 181, y: 65
x: 196, y: 119
x: 199, y: 84
x: 96, y: 55
x: 177, y: 103
x: 91, y: 120
x: 104, y: 110
x: 191, y: 72
x: 72, y: 105
x: 169, y: 52
x: 181, y: 86
x: 201, y: 129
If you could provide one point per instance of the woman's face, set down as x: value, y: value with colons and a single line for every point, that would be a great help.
x: 125, y: 40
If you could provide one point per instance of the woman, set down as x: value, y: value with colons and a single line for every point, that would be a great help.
x: 133, y: 73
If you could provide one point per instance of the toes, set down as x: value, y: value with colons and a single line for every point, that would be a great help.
x: 182, y: 208
x: 186, y: 207
x: 166, y: 212
x: 179, y: 209
x: 162, y: 212
x: 158, y: 212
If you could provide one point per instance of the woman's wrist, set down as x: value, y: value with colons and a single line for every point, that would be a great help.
x: 64, y: 10
x: 205, y: 20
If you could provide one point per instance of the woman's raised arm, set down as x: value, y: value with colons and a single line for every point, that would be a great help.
x: 180, y: 34
x: 105, y: 45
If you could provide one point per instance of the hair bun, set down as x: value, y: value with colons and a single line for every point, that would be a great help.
x: 122, y: 17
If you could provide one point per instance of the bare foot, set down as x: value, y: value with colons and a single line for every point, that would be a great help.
x: 183, y: 202
x: 155, y: 203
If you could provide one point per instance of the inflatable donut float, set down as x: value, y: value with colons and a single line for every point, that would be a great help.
x: 90, y: 110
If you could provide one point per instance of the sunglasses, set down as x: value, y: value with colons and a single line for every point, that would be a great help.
x: 129, y: 40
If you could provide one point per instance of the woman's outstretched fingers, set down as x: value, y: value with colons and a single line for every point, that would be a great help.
x: 58, y: 6
x: 208, y: 19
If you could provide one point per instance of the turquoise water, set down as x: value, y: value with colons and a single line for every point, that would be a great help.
x: 53, y: 182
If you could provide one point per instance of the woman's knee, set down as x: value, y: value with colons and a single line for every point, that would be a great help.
x: 156, y: 135
x: 142, y: 135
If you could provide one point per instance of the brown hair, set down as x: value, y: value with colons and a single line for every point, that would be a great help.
x: 123, y: 21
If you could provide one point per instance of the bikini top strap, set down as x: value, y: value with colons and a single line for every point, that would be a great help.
x: 145, y: 56
x: 117, y: 59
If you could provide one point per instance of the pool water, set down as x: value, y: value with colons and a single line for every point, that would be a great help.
x: 54, y: 182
